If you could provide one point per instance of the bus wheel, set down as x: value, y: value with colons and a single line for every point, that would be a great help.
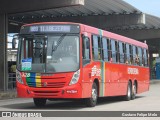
x: 129, y: 92
x: 91, y: 102
x: 39, y: 102
x: 134, y: 91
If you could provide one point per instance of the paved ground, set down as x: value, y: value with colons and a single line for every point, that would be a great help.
x: 148, y: 101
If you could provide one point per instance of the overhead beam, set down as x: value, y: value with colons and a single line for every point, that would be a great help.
x: 153, y: 42
x: 105, y: 21
x: 99, y: 21
x: 15, y: 6
x: 140, y: 34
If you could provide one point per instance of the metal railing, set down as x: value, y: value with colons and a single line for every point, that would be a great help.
x: 11, y: 81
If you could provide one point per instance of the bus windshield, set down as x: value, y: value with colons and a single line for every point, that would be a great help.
x: 49, y: 53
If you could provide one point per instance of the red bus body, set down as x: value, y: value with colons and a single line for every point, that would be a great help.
x: 111, y: 78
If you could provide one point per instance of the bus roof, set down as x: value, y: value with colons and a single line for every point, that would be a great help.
x: 94, y: 30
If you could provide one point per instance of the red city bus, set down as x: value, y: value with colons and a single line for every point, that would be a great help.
x: 62, y: 60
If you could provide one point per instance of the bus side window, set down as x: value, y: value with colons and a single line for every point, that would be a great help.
x: 109, y: 47
x: 140, y: 55
x: 127, y: 54
x: 145, y: 55
x: 96, y: 47
x: 134, y: 55
x: 105, y: 49
x: 143, y: 62
x: 131, y: 54
x: 113, y: 49
x: 117, y: 52
x: 99, y: 48
x: 137, y: 57
x: 124, y: 51
x: 86, y: 50
x: 147, y: 58
x: 121, y: 51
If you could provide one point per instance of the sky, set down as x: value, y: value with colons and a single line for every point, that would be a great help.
x: 147, y: 6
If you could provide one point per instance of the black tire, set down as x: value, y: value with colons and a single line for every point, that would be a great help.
x: 134, y: 91
x: 129, y: 92
x: 91, y: 102
x: 39, y: 102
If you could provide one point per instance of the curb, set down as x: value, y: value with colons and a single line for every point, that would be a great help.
x: 154, y: 81
x: 7, y: 95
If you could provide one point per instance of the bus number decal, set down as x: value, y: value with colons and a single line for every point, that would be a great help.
x: 133, y: 71
x: 96, y: 71
x: 25, y: 74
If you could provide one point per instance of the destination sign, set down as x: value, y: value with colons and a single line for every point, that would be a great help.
x: 50, y: 28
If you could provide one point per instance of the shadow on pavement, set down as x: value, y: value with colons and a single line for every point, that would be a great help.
x: 65, y: 105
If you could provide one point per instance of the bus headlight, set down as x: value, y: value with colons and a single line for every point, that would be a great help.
x: 75, y: 78
x: 18, y: 77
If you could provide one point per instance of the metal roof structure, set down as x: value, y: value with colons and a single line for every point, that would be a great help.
x: 91, y: 8
x: 150, y: 22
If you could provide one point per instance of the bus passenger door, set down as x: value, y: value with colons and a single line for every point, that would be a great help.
x: 86, y: 80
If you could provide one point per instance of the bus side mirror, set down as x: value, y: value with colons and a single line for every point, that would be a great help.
x: 14, y: 43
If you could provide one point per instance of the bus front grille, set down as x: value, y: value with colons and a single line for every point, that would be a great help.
x: 47, y: 84
x: 45, y: 93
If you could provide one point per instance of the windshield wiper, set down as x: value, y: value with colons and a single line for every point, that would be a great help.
x: 54, y: 48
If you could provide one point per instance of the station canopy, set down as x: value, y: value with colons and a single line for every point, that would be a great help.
x: 114, y: 14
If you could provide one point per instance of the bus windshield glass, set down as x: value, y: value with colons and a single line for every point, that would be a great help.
x: 49, y: 53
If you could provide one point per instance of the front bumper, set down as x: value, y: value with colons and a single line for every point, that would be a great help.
x: 73, y: 91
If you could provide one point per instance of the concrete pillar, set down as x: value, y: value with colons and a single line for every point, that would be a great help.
x: 3, y: 52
